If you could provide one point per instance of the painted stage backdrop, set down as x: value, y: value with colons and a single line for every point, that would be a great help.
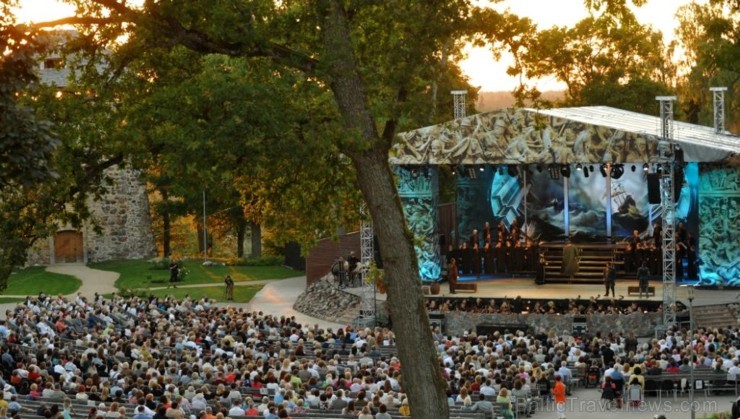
x: 521, y: 136
x: 719, y: 211
x: 418, y: 190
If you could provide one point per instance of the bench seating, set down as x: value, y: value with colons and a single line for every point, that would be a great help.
x: 633, y: 289
x: 466, y: 286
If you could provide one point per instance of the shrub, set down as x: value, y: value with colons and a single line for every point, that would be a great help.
x: 269, y: 260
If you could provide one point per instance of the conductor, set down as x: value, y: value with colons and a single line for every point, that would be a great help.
x: 571, y: 260
x: 642, y: 278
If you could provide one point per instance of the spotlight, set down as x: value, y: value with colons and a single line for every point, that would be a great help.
x: 414, y: 173
x: 633, y: 168
x: 603, y: 168
x: 565, y: 170
x: 454, y: 171
x: 585, y: 171
x: 645, y: 167
x: 579, y: 167
x: 554, y: 172
x: 482, y: 168
x: 617, y: 171
x: 501, y: 170
x: 512, y: 170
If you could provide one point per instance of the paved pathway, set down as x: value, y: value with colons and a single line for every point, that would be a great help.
x: 276, y: 296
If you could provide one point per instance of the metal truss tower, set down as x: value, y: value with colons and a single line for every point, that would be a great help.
x: 667, y: 161
x: 719, y: 108
x: 458, y: 97
x: 367, y: 310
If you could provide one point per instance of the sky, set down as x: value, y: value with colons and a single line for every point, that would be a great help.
x: 480, y: 67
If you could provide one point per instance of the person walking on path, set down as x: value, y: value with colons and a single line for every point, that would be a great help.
x: 610, y: 279
x: 174, y: 272
x: 558, y: 393
x: 229, y: 288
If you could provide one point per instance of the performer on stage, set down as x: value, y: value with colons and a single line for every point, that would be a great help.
x: 571, y: 259
x: 452, y: 275
x: 539, y: 277
x: 642, y: 277
x: 610, y: 279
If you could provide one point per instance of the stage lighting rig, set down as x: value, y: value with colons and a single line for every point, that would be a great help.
x: 512, y: 170
x: 645, y: 167
x: 554, y: 172
x: 617, y: 171
x: 603, y: 168
x: 634, y: 168
x: 565, y: 170
x: 579, y: 167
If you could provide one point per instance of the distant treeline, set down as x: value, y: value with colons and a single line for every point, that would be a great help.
x: 491, y: 101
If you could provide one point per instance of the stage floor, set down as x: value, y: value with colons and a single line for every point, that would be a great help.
x: 526, y: 288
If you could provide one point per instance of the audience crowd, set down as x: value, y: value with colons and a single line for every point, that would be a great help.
x: 162, y: 358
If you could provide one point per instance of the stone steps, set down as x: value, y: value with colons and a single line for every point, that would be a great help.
x: 716, y: 315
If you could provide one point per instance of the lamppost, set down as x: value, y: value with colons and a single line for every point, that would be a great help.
x: 690, y: 296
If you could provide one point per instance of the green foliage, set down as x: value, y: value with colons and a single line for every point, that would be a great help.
x: 607, y: 58
x: 268, y: 260
x: 34, y: 280
x: 709, y: 34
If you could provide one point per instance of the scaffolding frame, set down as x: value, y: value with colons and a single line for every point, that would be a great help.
x: 367, y: 253
x: 667, y: 201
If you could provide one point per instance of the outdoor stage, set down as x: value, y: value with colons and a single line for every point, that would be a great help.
x: 527, y: 289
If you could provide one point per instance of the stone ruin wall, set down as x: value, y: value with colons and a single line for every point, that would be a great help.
x: 123, y: 214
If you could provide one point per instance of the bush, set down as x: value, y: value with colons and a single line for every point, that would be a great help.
x: 270, y: 260
x: 160, y: 263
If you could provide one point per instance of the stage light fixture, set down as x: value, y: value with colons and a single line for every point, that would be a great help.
x: 501, y: 170
x: 591, y: 168
x: 617, y: 171
x: 634, y: 168
x: 482, y: 168
x: 472, y: 172
x: 645, y: 167
x: 414, y: 173
x: 512, y: 170
x: 554, y: 172
x: 579, y: 167
x: 453, y: 170
x: 602, y: 169
x: 585, y: 171
x: 539, y: 168
x: 565, y: 170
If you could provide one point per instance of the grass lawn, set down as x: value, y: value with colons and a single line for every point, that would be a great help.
x: 142, y: 273
x: 242, y: 294
x: 33, y: 280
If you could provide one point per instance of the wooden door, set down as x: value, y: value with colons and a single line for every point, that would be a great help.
x: 68, y: 247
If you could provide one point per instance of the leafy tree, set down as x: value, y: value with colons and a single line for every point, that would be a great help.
x: 370, y: 66
x: 607, y: 58
x: 709, y: 33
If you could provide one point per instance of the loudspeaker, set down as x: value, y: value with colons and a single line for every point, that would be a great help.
x: 678, y: 179
x: 376, y: 253
x: 653, y: 183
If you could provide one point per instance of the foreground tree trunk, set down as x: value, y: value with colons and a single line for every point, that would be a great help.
x: 421, y: 373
